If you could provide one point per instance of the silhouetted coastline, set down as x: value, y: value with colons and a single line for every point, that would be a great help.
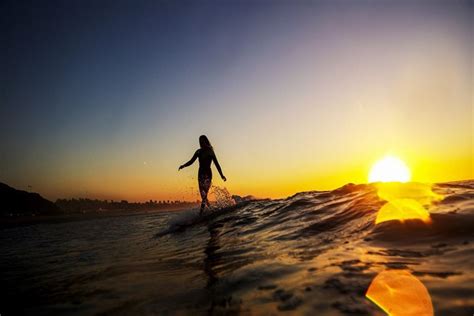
x: 19, y: 207
x: 85, y: 205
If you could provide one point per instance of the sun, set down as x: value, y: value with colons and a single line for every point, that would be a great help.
x: 389, y: 169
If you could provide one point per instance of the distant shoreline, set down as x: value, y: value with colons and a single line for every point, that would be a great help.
x: 15, y: 221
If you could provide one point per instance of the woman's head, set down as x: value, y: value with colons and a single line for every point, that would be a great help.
x: 204, y: 142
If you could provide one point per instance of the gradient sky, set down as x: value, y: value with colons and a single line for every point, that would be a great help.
x: 107, y: 98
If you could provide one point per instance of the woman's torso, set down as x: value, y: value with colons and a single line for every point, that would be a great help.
x: 205, y: 156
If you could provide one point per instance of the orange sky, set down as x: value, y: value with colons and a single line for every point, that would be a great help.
x: 300, y: 98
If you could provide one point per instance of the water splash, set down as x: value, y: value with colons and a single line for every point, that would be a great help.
x: 222, y: 197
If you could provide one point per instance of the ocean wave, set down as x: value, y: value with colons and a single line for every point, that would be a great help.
x: 315, y: 252
x: 328, y: 241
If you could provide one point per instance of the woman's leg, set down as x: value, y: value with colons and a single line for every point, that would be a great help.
x: 204, y: 186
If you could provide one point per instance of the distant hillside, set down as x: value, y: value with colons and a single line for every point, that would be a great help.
x: 19, y: 202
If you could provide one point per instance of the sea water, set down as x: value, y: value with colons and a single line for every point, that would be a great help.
x: 312, y: 253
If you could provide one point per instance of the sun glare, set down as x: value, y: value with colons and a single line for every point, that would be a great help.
x: 405, y: 201
x: 402, y: 209
x: 389, y: 169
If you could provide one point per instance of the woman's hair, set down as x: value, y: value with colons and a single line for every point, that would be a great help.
x: 204, y: 142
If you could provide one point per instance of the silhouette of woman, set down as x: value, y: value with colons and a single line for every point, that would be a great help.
x: 206, y: 155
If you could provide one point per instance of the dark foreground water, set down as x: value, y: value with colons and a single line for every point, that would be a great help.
x: 315, y: 253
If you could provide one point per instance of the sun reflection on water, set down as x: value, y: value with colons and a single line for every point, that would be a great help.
x: 405, y: 201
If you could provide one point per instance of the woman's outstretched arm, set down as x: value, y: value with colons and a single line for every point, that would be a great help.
x: 214, y: 158
x: 190, y: 162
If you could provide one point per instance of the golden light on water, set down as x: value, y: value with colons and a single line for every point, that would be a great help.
x: 402, y: 209
x: 421, y: 192
x: 398, y: 292
x: 405, y: 201
x: 389, y: 169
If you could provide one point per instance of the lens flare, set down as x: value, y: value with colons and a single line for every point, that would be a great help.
x: 398, y: 292
x: 389, y: 169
